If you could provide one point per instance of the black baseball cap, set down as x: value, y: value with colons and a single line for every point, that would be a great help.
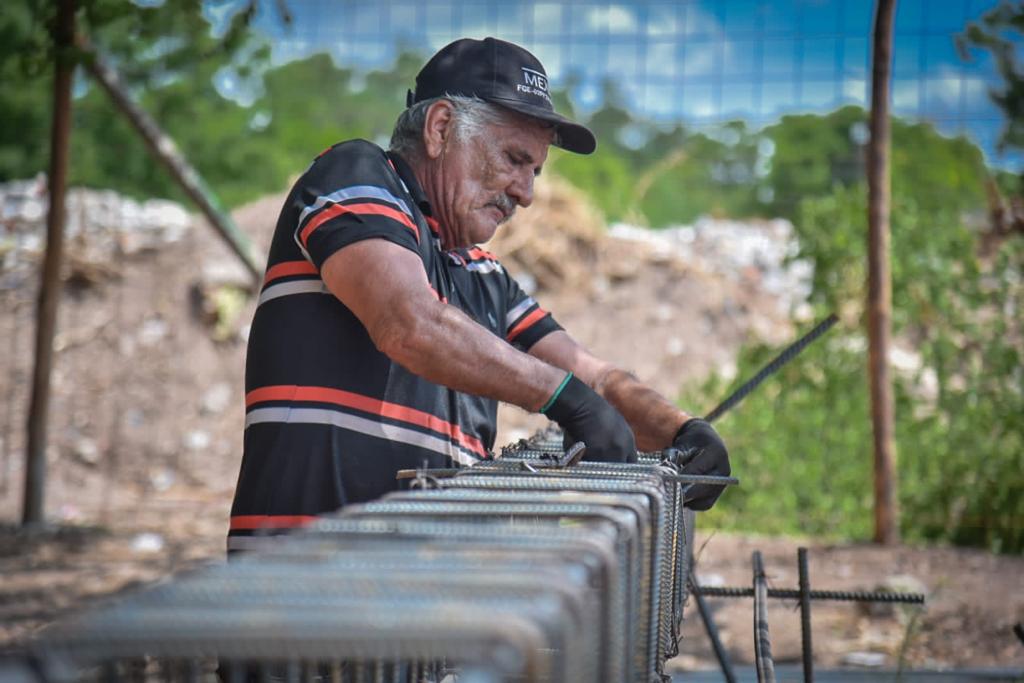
x: 503, y: 74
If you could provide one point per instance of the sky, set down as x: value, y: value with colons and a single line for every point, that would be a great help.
x: 699, y: 61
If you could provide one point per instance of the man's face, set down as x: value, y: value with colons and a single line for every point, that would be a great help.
x: 485, y: 177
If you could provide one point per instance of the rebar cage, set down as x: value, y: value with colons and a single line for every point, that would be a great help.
x: 511, y: 571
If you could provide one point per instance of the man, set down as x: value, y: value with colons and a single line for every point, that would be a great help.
x: 384, y: 338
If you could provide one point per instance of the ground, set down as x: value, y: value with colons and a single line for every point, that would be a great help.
x: 147, y: 416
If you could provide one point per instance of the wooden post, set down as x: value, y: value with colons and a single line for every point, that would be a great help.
x: 164, y: 149
x: 50, y: 283
x: 879, y: 308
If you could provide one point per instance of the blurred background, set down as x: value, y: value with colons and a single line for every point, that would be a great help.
x: 724, y: 211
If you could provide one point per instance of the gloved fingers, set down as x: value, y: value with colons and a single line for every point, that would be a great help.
x: 568, y: 440
x: 687, y: 456
x: 706, y: 462
x: 702, y: 496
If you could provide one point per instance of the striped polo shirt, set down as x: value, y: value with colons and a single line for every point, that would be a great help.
x: 329, y: 418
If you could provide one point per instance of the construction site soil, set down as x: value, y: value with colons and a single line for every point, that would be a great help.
x: 147, y: 416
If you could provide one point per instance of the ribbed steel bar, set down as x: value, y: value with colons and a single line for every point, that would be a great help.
x: 788, y: 354
x: 794, y: 594
x: 712, y: 630
x: 762, y: 643
x: 805, y: 615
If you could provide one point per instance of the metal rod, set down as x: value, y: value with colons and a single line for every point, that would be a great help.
x: 50, y: 283
x: 794, y: 594
x: 807, y: 648
x: 788, y: 354
x: 762, y: 642
x: 724, y: 663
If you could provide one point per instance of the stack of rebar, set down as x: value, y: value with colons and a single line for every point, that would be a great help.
x: 516, y: 569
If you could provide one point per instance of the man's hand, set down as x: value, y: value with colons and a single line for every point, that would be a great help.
x: 702, y: 451
x: 587, y: 417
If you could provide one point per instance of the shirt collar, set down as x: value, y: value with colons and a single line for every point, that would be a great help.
x: 413, y: 185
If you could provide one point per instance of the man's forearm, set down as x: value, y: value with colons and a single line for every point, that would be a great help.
x: 653, y: 418
x: 447, y: 347
x: 386, y: 288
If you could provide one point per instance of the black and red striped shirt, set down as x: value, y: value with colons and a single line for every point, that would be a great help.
x: 329, y: 418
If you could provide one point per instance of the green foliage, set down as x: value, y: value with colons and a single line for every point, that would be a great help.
x: 24, y: 92
x: 935, y: 172
x: 803, y: 445
x: 168, y: 58
x: 797, y: 445
x: 605, y: 176
x: 999, y: 32
x: 814, y: 154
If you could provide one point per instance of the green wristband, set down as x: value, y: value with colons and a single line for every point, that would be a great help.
x: 554, y: 396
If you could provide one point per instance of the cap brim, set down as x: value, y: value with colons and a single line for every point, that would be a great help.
x: 569, y: 135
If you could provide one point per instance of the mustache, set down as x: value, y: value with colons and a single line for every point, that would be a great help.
x: 506, y: 205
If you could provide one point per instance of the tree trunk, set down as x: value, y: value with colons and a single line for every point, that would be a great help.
x: 879, y: 307
x: 33, y: 508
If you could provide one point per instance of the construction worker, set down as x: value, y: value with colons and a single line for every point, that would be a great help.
x: 384, y: 337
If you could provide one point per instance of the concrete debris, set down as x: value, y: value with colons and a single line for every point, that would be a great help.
x: 764, y: 252
x: 216, y: 399
x: 162, y: 479
x: 147, y: 542
x: 197, y: 440
x: 869, y: 660
x: 152, y: 332
x: 712, y: 580
x: 101, y: 224
x: 86, y: 451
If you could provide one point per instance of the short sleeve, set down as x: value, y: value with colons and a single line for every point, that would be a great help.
x: 352, y: 193
x: 526, y: 323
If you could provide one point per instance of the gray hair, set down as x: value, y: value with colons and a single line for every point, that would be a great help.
x: 472, y: 114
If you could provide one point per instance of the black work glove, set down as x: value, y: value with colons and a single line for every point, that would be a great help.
x: 702, y: 451
x: 587, y: 417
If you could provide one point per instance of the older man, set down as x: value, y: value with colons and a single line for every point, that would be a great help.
x: 384, y: 338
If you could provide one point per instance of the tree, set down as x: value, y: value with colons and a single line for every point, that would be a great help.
x: 1000, y: 31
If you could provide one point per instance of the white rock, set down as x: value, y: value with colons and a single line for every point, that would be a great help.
x: 197, y: 440
x: 152, y: 332
x: 86, y: 450
x: 216, y: 399
x: 162, y: 479
x: 712, y: 580
x: 147, y: 542
x: 675, y: 346
x: 866, y: 659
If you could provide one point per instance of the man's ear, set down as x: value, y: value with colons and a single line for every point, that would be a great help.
x: 437, y: 129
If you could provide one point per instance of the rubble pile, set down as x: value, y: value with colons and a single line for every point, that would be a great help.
x: 101, y: 225
x: 759, y: 252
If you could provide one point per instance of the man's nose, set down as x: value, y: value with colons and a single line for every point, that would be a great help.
x: 521, y: 189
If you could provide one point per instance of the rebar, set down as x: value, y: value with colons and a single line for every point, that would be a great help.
x: 724, y: 663
x: 794, y: 594
x: 805, y: 615
x: 762, y: 643
x: 788, y: 354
